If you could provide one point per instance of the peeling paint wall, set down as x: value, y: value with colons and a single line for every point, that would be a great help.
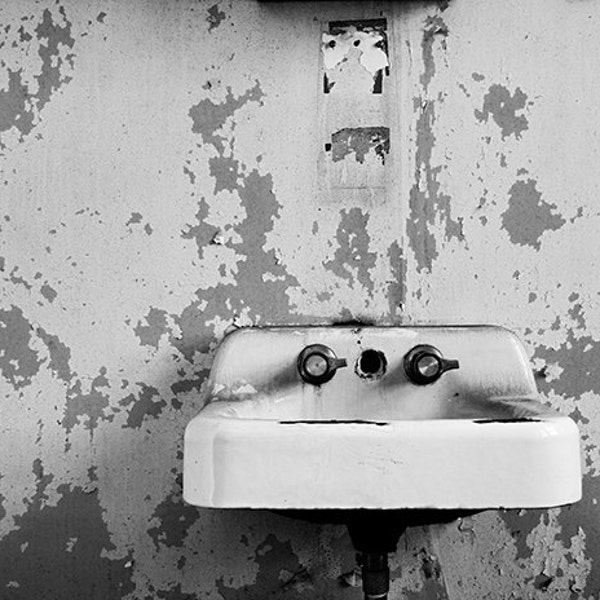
x: 172, y: 170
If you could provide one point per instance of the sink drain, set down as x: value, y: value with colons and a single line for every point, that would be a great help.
x: 371, y: 364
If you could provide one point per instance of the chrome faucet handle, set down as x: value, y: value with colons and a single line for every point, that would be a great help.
x: 425, y: 364
x: 318, y: 363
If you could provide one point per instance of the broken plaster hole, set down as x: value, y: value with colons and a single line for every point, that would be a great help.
x: 363, y: 43
x: 371, y: 364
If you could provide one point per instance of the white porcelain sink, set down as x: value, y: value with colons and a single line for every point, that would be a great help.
x: 476, y: 438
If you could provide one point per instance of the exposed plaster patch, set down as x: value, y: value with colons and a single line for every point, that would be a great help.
x: 226, y: 172
x: 580, y: 522
x: 173, y: 518
x: 576, y: 312
x: 18, y: 280
x: 280, y: 574
x: 503, y: 106
x: 48, y: 292
x: 135, y: 217
x: 60, y: 354
x: 208, y: 118
x: 215, y: 17
x: 578, y: 359
x: 144, y: 405
x: 352, y: 258
x: 528, y: 216
x: 22, y: 101
x: 434, y: 27
x: 202, y: 232
x: 429, y: 207
x: 156, y: 326
x: 261, y: 283
x: 87, y: 408
x: 19, y: 363
x: 557, y: 560
x: 360, y: 141
x: 396, y: 290
x: 251, y: 293
x: 44, y: 538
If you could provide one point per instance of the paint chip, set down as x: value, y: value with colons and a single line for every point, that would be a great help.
x: 528, y: 216
x: 359, y: 141
x: 502, y: 107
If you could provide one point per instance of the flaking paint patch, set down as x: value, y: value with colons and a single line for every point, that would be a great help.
x: 578, y: 358
x: 19, y: 363
x: 503, y: 107
x: 88, y: 408
x: 359, y: 141
x: 261, y: 283
x: 528, y: 216
x: 215, y: 17
x: 209, y: 117
x: 20, y: 105
x: 583, y: 517
x: 155, y: 328
x: 396, y: 291
x: 435, y: 28
x: 352, y: 259
x: 201, y: 232
x: 429, y: 206
x: 142, y: 406
x: 59, y: 353
x: 172, y: 520
x: 48, y: 292
x: 274, y: 558
x: 67, y: 544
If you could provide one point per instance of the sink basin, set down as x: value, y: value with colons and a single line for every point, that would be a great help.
x: 476, y: 438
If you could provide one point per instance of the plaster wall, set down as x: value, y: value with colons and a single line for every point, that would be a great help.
x: 172, y: 170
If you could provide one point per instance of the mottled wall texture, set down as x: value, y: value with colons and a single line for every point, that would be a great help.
x: 174, y: 169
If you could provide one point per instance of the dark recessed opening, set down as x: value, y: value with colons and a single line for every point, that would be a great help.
x: 371, y: 364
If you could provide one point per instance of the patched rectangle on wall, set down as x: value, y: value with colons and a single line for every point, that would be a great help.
x: 355, y: 70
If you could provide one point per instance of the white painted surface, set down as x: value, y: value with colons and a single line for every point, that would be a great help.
x: 474, y: 439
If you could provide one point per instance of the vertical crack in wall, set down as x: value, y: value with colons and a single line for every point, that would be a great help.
x: 429, y: 207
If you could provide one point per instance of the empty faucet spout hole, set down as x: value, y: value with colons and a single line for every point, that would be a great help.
x: 371, y: 364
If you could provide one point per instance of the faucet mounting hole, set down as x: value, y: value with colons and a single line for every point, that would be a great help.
x: 371, y: 364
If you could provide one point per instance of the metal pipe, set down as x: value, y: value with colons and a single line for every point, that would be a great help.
x: 375, y: 574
